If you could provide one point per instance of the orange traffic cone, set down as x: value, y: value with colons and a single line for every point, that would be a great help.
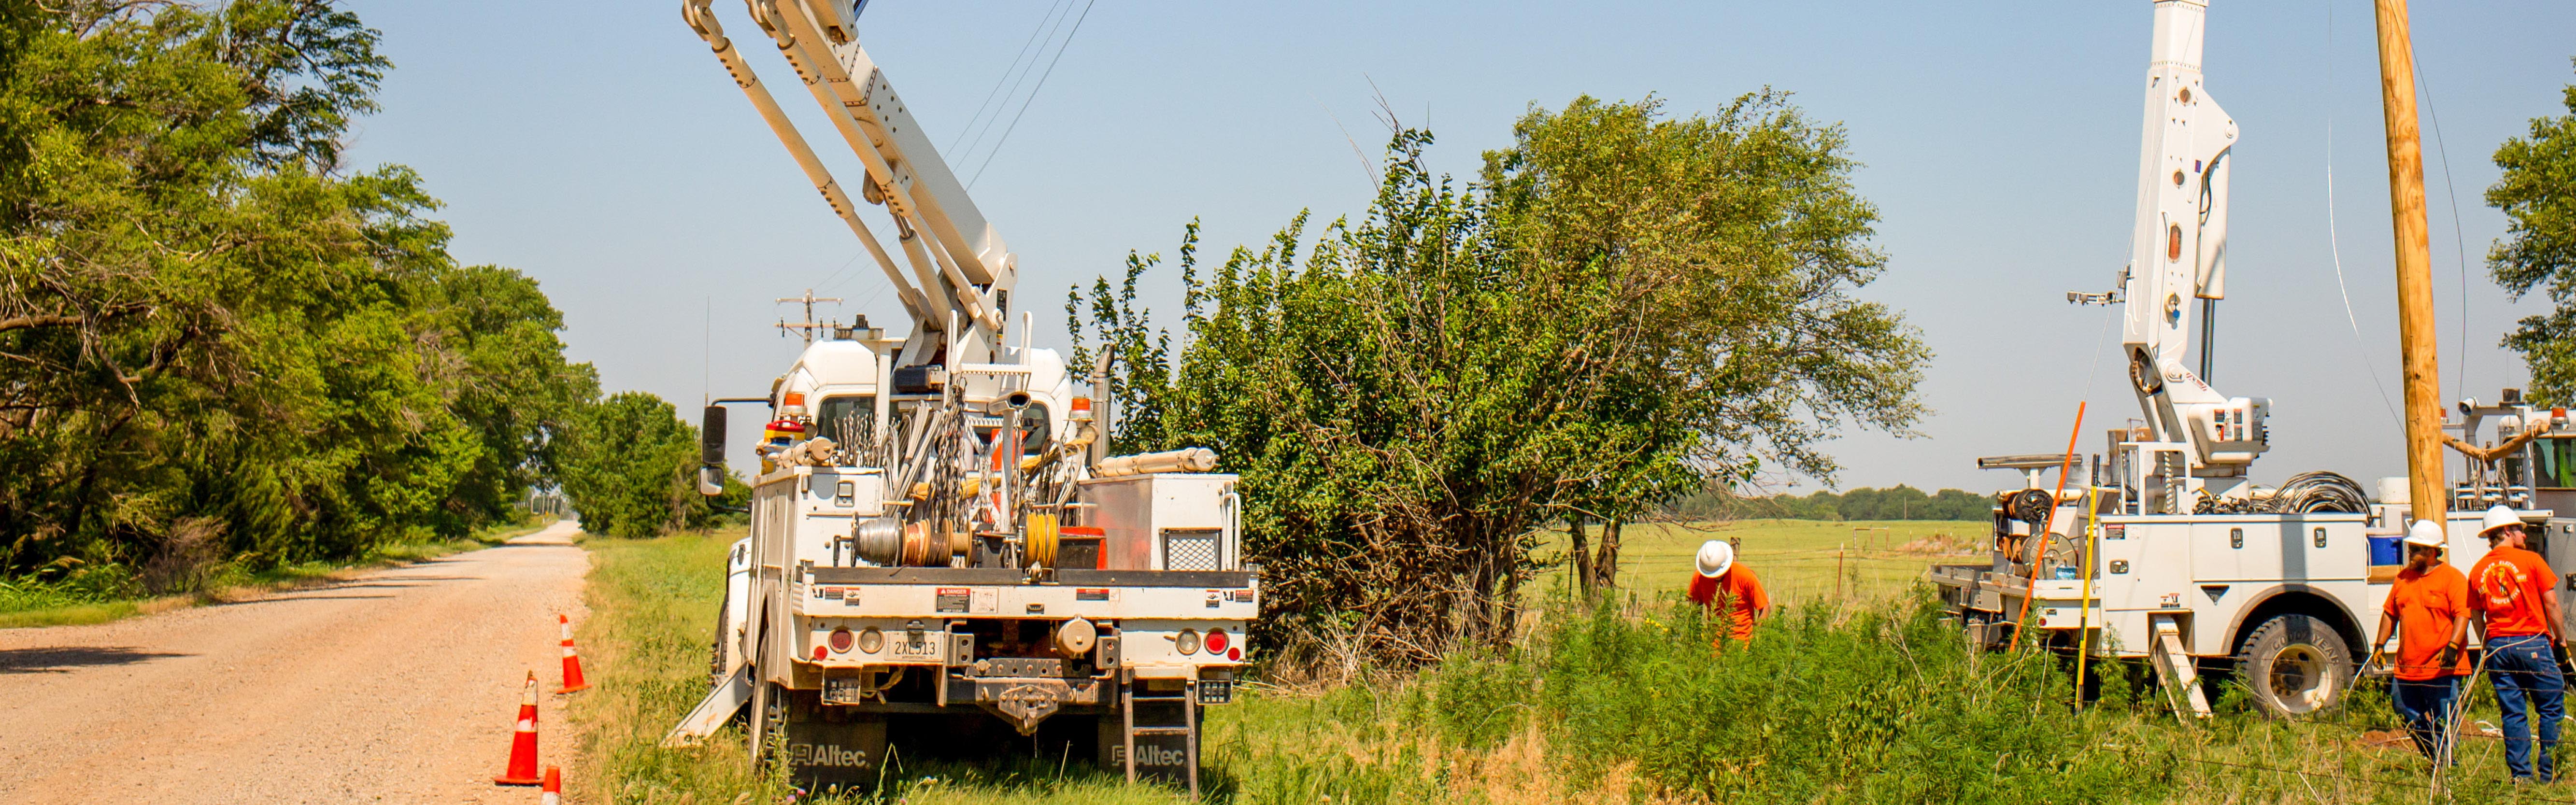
x: 523, y: 744
x: 572, y: 680
x: 554, y: 787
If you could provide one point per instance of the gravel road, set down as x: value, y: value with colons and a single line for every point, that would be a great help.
x: 397, y: 686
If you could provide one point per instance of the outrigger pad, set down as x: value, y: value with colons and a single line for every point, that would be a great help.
x: 713, y: 712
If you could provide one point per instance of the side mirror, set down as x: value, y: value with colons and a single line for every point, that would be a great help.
x: 710, y: 481
x: 711, y: 436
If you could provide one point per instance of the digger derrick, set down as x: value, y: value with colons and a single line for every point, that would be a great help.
x: 943, y: 556
x: 2162, y: 548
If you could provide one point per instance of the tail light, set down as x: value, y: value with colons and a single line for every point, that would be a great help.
x: 1216, y: 641
x: 1187, y: 641
x: 840, y: 640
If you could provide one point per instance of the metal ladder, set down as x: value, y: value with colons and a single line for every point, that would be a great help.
x: 1187, y: 698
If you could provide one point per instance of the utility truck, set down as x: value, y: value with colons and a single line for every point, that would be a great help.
x: 943, y: 553
x: 2162, y: 547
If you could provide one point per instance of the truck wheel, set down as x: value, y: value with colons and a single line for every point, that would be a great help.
x: 716, y: 652
x: 768, y: 717
x: 2295, y: 665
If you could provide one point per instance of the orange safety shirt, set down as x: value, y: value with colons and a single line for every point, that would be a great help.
x: 1744, y: 594
x: 2507, y: 585
x: 2428, y: 605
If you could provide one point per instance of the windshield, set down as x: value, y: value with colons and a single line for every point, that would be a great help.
x: 848, y: 420
x: 2557, y: 462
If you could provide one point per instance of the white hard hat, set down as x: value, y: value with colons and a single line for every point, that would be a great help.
x: 1715, y: 556
x: 2425, y: 533
x: 2498, y: 517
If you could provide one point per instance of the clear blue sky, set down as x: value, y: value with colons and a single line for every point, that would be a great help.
x: 598, y: 147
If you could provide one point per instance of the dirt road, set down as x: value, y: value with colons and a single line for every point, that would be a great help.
x: 399, y: 686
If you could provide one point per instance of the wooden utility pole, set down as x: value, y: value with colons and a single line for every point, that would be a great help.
x: 2416, y: 345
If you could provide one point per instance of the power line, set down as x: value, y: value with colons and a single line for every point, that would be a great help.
x: 1023, y: 76
x: 1033, y: 93
x: 1052, y: 12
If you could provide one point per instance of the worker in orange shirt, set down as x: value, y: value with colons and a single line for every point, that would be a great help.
x: 2428, y: 609
x: 1722, y: 582
x: 2515, y: 596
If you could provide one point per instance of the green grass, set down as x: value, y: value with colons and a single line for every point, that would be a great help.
x: 108, y: 594
x: 1873, y: 699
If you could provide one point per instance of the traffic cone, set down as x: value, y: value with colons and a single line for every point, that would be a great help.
x: 572, y: 680
x: 523, y: 744
x: 554, y: 787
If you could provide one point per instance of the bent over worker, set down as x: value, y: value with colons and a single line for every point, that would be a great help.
x: 2515, y: 596
x: 1744, y: 599
x: 2428, y: 609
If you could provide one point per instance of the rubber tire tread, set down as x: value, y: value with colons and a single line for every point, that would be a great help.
x: 2254, y: 669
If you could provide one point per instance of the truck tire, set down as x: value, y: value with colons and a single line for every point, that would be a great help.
x: 768, y: 715
x: 2295, y: 665
x: 716, y: 652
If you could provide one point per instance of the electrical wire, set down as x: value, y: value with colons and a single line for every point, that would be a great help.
x: 2459, y: 246
x: 1005, y: 78
x: 2334, y: 245
x: 1056, y: 25
x: 1033, y: 94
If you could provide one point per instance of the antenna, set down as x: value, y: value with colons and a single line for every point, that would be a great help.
x: 809, y: 326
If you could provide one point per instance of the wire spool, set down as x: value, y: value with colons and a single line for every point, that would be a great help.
x: 2032, y: 506
x: 879, y: 539
x: 1039, y: 538
x: 916, y: 544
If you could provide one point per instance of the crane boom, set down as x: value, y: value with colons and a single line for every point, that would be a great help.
x: 964, y: 269
x: 2180, y: 255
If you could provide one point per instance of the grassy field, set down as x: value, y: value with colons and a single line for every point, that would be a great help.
x: 1797, y: 560
x: 28, y: 603
x: 1868, y: 699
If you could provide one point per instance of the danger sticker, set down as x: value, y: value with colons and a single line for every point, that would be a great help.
x: 953, y: 599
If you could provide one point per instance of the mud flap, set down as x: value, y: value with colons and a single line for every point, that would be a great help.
x: 713, y: 712
x: 825, y: 755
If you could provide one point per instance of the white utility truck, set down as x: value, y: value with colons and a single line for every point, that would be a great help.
x: 943, y: 555
x: 2164, y: 549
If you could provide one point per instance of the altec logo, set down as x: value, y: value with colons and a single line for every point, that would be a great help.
x: 1151, y: 755
x: 824, y: 755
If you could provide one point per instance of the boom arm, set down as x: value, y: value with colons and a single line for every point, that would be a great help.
x: 2181, y: 245
x: 966, y: 271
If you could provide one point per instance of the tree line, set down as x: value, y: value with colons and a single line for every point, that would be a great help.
x: 1898, y: 502
x: 218, y: 343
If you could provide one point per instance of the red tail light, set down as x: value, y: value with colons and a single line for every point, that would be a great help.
x: 840, y: 640
x: 1216, y: 641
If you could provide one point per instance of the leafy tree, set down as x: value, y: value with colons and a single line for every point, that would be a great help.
x: 628, y: 464
x: 1623, y: 309
x: 2538, y: 196
x: 210, y: 333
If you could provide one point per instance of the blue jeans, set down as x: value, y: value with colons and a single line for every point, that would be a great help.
x: 2522, y: 666
x: 2425, y: 705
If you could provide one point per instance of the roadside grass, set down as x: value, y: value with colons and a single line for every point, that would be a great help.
x: 1874, y: 700
x: 100, y: 595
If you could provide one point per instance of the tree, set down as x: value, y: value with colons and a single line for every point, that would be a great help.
x: 628, y: 464
x: 2537, y: 193
x: 210, y: 332
x: 1623, y: 310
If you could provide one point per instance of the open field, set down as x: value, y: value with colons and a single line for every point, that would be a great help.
x: 1856, y: 701
x: 1797, y: 560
